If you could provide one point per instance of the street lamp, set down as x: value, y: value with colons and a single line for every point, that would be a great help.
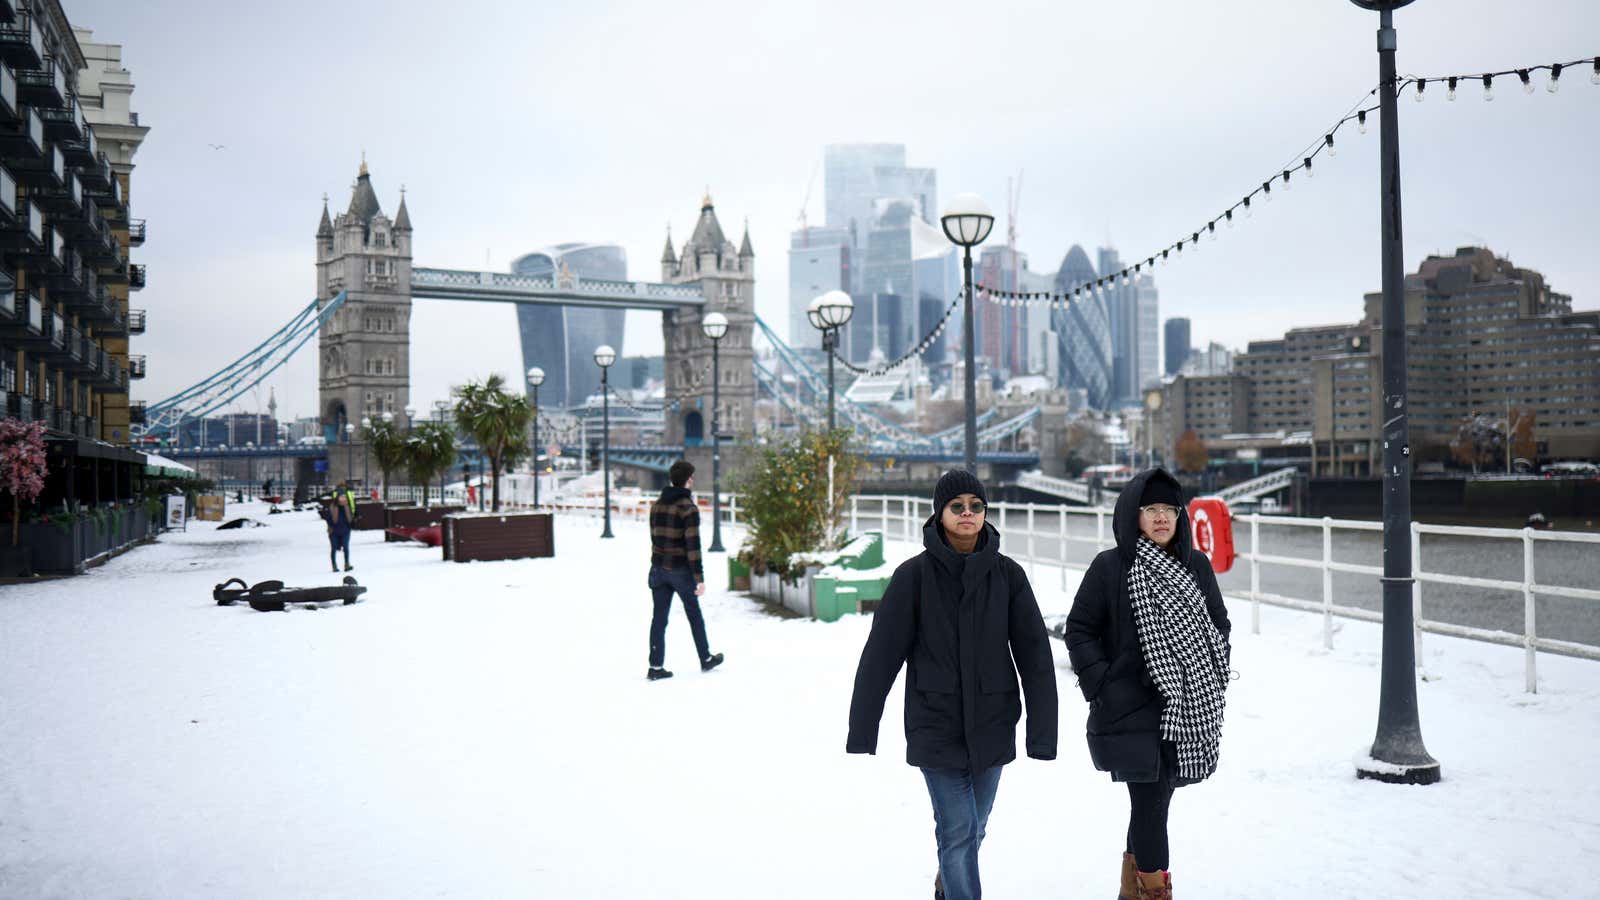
x: 604, y: 356
x: 349, y: 449
x: 250, y: 463
x: 366, y: 458
x: 715, y: 325
x: 535, y: 378
x: 1398, y: 754
x: 967, y: 222
x: 829, y: 313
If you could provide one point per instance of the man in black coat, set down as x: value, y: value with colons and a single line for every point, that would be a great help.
x: 956, y: 616
x: 676, y: 568
x: 1125, y: 704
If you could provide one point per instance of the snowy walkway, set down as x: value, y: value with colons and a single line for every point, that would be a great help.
x: 485, y: 731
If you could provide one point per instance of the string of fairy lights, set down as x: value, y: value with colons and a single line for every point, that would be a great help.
x: 919, y: 349
x: 1283, y: 178
x: 696, y: 383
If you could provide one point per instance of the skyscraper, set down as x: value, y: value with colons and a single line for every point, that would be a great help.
x: 819, y: 261
x: 1147, y: 301
x: 1133, y: 307
x: 1177, y: 344
x: 1083, y: 332
x: 561, y: 339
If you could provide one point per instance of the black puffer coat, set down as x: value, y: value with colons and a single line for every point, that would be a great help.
x: 1125, y: 707
x: 956, y: 622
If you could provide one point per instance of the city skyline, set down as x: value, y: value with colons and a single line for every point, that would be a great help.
x: 1168, y: 152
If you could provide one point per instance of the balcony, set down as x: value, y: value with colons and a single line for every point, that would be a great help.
x: 83, y: 151
x: 136, y: 232
x: 135, y: 277
x: 42, y: 85
x: 46, y: 169
x: 9, y: 107
x: 62, y: 200
x: 8, y: 10
x: 26, y: 324
x: 21, y: 44
x: 136, y: 413
x: 22, y: 140
x: 64, y: 122
x: 89, y: 355
x: 96, y: 175
x: 136, y: 319
x: 53, y: 337
x: 136, y: 367
x: 69, y: 286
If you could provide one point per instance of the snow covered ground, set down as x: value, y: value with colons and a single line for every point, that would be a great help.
x: 485, y: 731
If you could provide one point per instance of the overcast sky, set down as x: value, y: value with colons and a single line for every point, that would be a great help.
x: 515, y: 126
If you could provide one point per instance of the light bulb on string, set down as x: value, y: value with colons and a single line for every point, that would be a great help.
x: 1308, y: 167
x: 1527, y: 83
x: 1488, y: 88
x: 1230, y: 218
x: 1327, y: 139
x: 1286, y: 179
x: 1421, y: 83
x: 1595, y: 78
x: 1555, y: 78
x: 1266, y: 189
x: 1247, y: 207
x: 1195, y: 240
x: 1212, y: 228
x: 1450, y: 92
x: 1361, y: 119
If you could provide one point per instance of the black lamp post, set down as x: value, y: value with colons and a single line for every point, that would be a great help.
x: 604, y: 356
x: 250, y: 463
x: 967, y: 222
x: 349, y: 450
x: 715, y: 325
x: 535, y: 378
x: 829, y: 313
x: 411, y: 418
x: 1398, y: 750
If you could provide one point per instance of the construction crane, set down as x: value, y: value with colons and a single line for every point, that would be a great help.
x: 805, y: 233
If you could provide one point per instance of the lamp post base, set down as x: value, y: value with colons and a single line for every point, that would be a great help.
x: 1398, y: 773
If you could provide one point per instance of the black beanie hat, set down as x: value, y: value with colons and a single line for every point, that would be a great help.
x: 953, y: 484
x: 1160, y: 488
x: 680, y: 472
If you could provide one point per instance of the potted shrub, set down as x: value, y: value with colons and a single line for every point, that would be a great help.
x: 22, y: 468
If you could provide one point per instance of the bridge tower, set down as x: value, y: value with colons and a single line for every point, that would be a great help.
x: 364, y: 359
x: 727, y: 279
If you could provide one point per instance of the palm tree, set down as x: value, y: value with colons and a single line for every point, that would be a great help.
x: 388, y: 449
x: 430, y: 452
x: 497, y: 420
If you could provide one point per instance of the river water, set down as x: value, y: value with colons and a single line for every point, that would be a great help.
x: 1555, y: 563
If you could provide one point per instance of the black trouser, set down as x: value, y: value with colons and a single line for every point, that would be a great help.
x: 1147, y: 819
x: 663, y: 584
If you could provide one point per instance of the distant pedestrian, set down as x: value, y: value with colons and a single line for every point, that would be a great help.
x: 340, y: 514
x: 1148, y: 638
x: 962, y: 619
x: 676, y: 568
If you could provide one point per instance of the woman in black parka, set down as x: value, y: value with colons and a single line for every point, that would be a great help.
x: 956, y: 616
x: 1148, y: 637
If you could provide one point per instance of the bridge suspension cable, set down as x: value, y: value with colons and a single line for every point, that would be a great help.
x: 227, y: 384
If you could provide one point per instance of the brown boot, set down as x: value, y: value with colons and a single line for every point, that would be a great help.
x: 1126, y: 891
x: 1152, y: 885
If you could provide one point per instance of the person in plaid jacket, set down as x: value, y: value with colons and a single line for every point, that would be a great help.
x: 676, y: 568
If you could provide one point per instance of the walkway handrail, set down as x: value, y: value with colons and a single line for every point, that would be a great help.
x: 1259, y: 486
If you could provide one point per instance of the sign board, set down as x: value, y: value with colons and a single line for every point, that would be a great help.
x: 210, y: 507
x: 177, y: 513
x: 1212, y: 525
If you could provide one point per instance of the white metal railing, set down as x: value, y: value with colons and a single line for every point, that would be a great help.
x: 1049, y: 484
x: 901, y: 518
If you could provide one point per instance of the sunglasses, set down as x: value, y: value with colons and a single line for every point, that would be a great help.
x: 957, y: 508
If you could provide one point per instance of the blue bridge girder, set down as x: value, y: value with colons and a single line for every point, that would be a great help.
x: 501, y: 287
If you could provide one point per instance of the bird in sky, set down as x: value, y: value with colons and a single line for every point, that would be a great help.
x: 218, y: 146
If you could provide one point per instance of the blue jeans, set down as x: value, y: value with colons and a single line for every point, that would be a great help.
x: 338, y: 539
x: 962, y: 799
x: 663, y: 584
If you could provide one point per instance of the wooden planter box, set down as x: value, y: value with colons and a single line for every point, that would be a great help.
x: 487, y: 536
x: 415, y: 517
x: 370, y: 515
